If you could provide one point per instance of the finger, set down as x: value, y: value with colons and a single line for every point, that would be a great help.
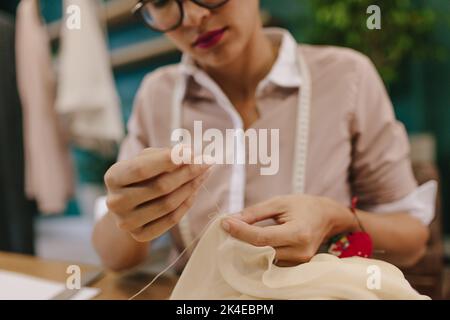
x: 156, y: 209
x: 140, y: 193
x: 262, y: 211
x: 274, y: 236
x: 158, y: 227
x: 285, y: 264
x: 144, y: 167
x: 292, y: 255
x: 152, y: 150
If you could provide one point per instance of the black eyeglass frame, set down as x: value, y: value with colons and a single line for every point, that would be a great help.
x: 136, y: 11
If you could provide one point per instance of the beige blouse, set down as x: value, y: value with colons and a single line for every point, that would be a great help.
x: 355, y: 147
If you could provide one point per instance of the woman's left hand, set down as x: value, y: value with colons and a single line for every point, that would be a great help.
x: 303, y: 224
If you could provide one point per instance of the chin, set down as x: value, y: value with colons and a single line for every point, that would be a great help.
x: 222, y: 56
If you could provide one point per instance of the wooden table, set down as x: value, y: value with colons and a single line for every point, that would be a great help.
x: 114, y: 286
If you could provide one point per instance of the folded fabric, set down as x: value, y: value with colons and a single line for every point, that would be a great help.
x: 87, y: 97
x: 222, y: 267
x: 49, y: 177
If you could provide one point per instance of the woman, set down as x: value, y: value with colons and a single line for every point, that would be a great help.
x: 235, y: 74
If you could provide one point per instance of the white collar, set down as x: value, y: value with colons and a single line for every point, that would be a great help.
x: 284, y: 72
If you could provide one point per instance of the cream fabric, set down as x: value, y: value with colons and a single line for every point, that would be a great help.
x: 222, y: 267
x: 87, y: 96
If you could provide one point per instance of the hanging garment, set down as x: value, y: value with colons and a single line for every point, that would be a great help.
x: 48, y: 167
x: 222, y: 267
x: 87, y: 97
x: 16, y: 212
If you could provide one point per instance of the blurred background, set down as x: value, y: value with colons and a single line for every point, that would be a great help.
x: 411, y: 51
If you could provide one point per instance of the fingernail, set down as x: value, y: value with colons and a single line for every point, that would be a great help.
x: 226, y: 225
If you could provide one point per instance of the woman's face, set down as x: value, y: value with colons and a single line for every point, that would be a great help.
x: 216, y: 37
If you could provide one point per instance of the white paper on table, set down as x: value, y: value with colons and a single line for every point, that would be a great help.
x: 17, y: 286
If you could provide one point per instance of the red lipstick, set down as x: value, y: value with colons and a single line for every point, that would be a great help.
x: 209, y: 39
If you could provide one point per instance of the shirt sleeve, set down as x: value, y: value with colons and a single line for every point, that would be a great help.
x: 381, y: 170
x: 421, y: 203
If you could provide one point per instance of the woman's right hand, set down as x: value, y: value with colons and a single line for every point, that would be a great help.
x: 149, y: 194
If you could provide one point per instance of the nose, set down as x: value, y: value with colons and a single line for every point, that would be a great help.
x: 194, y: 15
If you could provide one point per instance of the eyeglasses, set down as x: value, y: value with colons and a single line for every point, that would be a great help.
x: 167, y: 15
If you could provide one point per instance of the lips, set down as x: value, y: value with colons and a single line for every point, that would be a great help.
x: 209, y: 39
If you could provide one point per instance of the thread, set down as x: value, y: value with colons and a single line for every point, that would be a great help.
x: 212, y: 218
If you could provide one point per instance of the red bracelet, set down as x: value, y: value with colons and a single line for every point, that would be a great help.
x: 353, y: 209
x: 353, y: 243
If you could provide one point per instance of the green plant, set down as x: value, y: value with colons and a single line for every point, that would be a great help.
x: 406, y: 30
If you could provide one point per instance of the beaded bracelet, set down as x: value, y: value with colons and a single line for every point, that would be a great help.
x: 354, y: 243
